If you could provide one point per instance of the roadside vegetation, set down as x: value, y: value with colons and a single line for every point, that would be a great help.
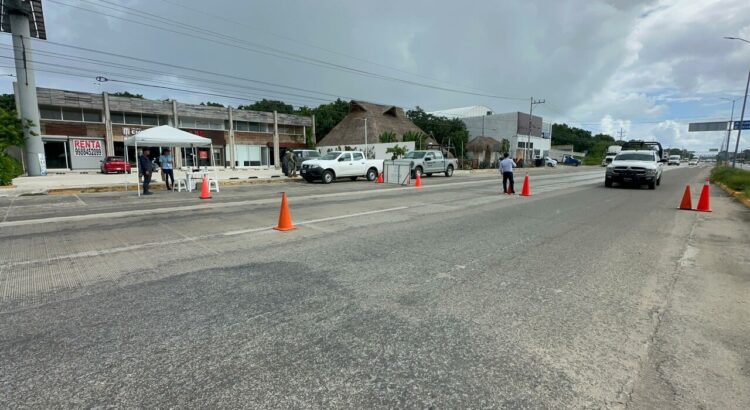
x: 735, y: 178
x: 11, y: 134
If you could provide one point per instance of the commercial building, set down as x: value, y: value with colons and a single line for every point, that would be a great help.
x: 513, y: 127
x: 79, y: 129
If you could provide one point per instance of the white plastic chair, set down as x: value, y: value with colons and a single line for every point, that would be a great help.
x: 213, y: 184
x: 180, y: 184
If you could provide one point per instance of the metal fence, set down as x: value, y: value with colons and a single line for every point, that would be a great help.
x: 396, y: 172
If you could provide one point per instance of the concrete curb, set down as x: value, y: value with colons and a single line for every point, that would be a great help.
x: 160, y: 186
x: 739, y: 196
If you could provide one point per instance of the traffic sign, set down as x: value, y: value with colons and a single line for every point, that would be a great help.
x: 713, y: 150
x: 708, y: 126
x: 745, y: 125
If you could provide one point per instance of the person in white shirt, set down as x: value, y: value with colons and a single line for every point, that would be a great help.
x: 506, y: 167
x: 167, y: 167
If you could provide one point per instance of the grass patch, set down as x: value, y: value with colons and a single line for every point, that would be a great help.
x: 735, y: 178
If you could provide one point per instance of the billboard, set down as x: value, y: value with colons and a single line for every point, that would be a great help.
x: 745, y: 125
x: 708, y: 126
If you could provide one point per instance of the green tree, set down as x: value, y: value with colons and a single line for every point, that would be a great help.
x: 447, y: 131
x: 387, y: 136
x: 8, y: 102
x: 397, y: 150
x: 269, y: 106
x: 126, y: 94
x: 328, y: 116
x: 11, y: 134
x: 419, y: 139
x: 212, y: 104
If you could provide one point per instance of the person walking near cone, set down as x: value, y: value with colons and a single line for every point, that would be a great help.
x: 506, y: 168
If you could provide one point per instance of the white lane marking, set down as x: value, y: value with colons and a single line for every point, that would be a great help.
x: 156, y: 211
x: 188, y: 238
x: 7, y: 211
x: 80, y: 200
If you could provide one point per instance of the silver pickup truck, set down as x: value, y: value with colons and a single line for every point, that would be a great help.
x: 429, y: 162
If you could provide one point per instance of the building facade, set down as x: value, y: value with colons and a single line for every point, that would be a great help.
x: 79, y: 129
x: 513, y: 127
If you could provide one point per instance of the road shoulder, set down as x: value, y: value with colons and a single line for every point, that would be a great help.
x: 698, y: 357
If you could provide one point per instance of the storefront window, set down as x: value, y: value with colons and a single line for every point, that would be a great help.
x: 50, y: 113
x: 149, y: 119
x: 92, y: 115
x: 117, y: 117
x: 133, y: 118
x: 72, y: 114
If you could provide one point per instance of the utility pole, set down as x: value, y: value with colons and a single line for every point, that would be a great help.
x: 742, y: 122
x: 366, y: 138
x: 621, y: 133
x: 529, y: 153
x: 729, y: 132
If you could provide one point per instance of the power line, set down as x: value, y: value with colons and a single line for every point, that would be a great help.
x: 281, y: 53
x: 150, y: 71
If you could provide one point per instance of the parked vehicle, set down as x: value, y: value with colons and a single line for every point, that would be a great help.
x: 303, y: 155
x: 428, y: 162
x: 550, y: 162
x: 570, y: 160
x: 674, y: 160
x: 115, y: 164
x: 612, y: 152
x: 338, y: 164
x: 637, y: 167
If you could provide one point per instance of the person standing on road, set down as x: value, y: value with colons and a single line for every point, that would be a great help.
x: 167, y: 167
x: 293, y: 165
x: 506, y: 167
x: 285, y: 164
x: 145, y: 168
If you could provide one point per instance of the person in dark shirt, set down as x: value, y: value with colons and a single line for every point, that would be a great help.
x: 144, y: 168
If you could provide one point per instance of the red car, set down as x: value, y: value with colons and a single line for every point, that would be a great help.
x: 115, y: 164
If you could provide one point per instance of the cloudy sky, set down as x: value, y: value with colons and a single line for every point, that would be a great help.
x: 646, y: 67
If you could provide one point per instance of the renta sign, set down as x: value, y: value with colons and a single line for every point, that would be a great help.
x: 88, y: 148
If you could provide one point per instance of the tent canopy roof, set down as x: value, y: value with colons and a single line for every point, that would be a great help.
x: 167, y: 136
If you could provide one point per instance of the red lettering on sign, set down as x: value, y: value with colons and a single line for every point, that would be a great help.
x: 203, y: 154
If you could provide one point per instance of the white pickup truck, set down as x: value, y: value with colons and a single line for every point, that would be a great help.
x: 341, y: 164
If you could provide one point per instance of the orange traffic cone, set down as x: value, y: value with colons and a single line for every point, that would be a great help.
x: 686, y: 203
x: 526, y: 191
x: 418, y: 183
x: 205, y: 193
x: 285, y: 216
x: 380, y: 178
x: 703, y: 202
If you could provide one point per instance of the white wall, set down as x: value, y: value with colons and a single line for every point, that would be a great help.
x: 378, y: 149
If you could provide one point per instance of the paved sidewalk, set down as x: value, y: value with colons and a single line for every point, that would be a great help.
x: 95, y: 181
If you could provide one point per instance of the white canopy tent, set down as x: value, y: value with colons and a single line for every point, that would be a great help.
x: 166, y: 136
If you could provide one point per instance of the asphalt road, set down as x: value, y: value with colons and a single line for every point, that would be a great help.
x: 451, y: 296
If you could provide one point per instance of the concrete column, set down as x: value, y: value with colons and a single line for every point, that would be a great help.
x: 108, y: 137
x: 232, y: 149
x: 29, y: 106
x: 175, y: 123
x: 304, y: 135
x: 276, y: 157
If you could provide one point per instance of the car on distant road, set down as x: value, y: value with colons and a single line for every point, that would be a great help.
x: 693, y: 162
x: 570, y: 160
x: 635, y: 167
x: 429, y: 162
x: 341, y: 164
x: 674, y: 160
x: 115, y: 164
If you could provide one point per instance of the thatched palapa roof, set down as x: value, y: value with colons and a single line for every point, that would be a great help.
x: 380, y: 119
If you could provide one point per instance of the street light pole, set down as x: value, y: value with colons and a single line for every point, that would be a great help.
x: 729, y: 130
x: 366, y: 138
x: 742, y: 115
x: 742, y: 122
x: 528, y: 137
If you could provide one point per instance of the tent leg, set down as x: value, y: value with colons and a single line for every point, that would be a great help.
x: 213, y: 165
x: 127, y: 163
x: 139, y: 169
